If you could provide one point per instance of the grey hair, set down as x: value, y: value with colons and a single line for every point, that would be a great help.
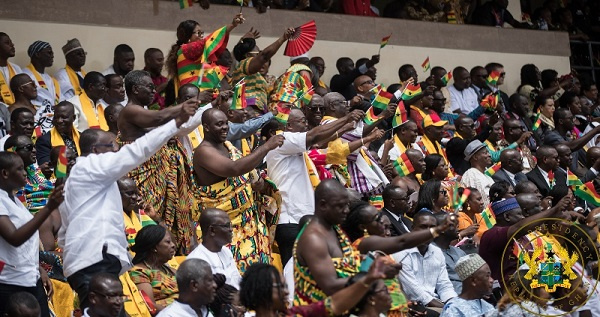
x: 191, y: 269
x: 134, y: 78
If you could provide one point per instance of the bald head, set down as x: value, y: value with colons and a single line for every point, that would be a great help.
x: 358, y: 81
x: 327, y: 188
x: 332, y: 97
x: 530, y: 203
x: 592, y: 155
x: 209, y: 216
x: 511, y: 160
x: 19, y: 81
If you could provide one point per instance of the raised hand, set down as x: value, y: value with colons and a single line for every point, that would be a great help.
x: 355, y: 115
x: 238, y: 19
x: 206, y: 96
x: 252, y: 34
x: 56, y: 197
x: 275, y: 142
x: 289, y: 32
x: 188, y: 109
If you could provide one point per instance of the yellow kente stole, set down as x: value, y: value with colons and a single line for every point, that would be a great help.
x: 57, y: 140
x: 43, y: 84
x: 196, y: 137
x: 421, y: 112
x: 430, y: 148
x: 312, y: 171
x: 7, y: 95
x: 74, y: 79
x: 94, y: 121
x: 490, y: 145
x: 247, y: 146
x: 457, y: 135
x: 399, y: 144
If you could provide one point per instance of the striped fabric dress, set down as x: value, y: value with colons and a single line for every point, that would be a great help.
x: 256, y: 85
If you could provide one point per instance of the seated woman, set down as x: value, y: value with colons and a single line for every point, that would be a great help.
x: 470, y: 221
x: 263, y: 290
x: 365, y: 228
x: 151, y: 274
x: 432, y: 197
x: 375, y: 303
x: 436, y: 168
x: 501, y: 190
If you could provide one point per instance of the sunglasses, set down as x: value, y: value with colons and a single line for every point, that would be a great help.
x: 28, y: 147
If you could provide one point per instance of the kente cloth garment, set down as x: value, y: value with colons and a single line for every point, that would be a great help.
x: 256, y: 85
x: 306, y: 289
x: 164, y: 182
x: 190, y: 63
x: 399, y: 303
x: 287, y: 87
x: 36, y: 191
x: 234, y: 195
x: 318, y: 309
x: 164, y: 285
x: 52, y: 264
x: 133, y: 224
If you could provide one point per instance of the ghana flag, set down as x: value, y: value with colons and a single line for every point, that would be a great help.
x: 370, y: 116
x: 447, y: 78
x: 382, y: 99
x: 214, y: 42
x: 538, y: 122
x: 401, y: 116
x: 283, y: 114
x: 588, y: 193
x: 238, y: 101
x: 493, y: 169
x: 61, y: 165
x: 403, y: 165
x: 488, y: 217
x: 411, y: 91
x: 492, y: 78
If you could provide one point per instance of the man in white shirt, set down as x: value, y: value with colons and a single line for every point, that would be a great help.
x: 89, y: 112
x: 287, y: 168
x: 216, y: 234
x: 196, y: 290
x: 123, y: 61
x: 70, y: 78
x: 463, y: 98
x: 424, y: 276
x: 48, y: 88
x: 106, y: 296
x: 7, y: 69
x: 405, y: 137
x: 91, y: 234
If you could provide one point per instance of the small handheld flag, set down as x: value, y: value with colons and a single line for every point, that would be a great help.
x: 538, y: 122
x: 384, y: 42
x: 214, y: 41
x: 370, y: 117
x: 401, y: 116
x: 411, y: 91
x: 241, y: 3
x: 382, y: 99
x: 183, y: 4
x: 488, y: 217
x: 446, y: 78
x: 463, y: 198
x: 239, y: 96
x: 492, y: 78
x: 283, y: 114
x: 145, y: 220
x: 426, y: 66
x: 588, y: 193
x: 573, y: 180
x: 403, y: 165
x: 61, y: 165
x: 493, y: 169
x: 490, y: 101
x: 551, y: 179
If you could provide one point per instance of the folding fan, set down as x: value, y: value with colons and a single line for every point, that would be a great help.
x: 302, y: 40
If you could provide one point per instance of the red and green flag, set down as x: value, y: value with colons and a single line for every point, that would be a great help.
x: 370, y: 117
x: 490, y: 102
x: 411, y: 91
x: 492, y: 78
x: 376, y: 201
x: 238, y: 101
x: 488, y: 217
x: 588, y: 193
x: 401, y: 116
x: 283, y: 114
x: 493, y: 169
x: 551, y: 179
x: 214, y: 42
x: 573, y: 180
x: 382, y: 99
x: 304, y: 95
x: 212, y: 77
x: 538, y: 122
x: 426, y: 66
x: 403, y: 165
x: 384, y: 41
x: 183, y: 4
x: 446, y: 78
x: 463, y: 198
x: 145, y: 220
x: 61, y: 165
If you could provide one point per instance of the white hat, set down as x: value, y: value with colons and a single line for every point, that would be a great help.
x: 467, y: 265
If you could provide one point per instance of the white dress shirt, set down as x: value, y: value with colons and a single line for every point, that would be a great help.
x: 424, y: 277
x: 287, y: 169
x: 21, y: 266
x: 109, y: 70
x: 395, y: 153
x: 478, y: 180
x: 220, y: 262
x: 464, y: 100
x: 81, y: 121
x: 544, y: 175
x: 92, y: 212
x: 178, y: 309
x: 66, y: 88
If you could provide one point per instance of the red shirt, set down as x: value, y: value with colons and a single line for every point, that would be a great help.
x: 159, y: 98
x: 492, y: 244
x: 358, y: 7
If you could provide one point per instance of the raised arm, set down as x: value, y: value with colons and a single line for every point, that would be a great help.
x: 583, y: 140
x: 528, y: 224
x: 324, y: 132
x: 243, y: 130
x: 209, y: 158
x: 17, y: 236
x: 265, y: 55
x: 388, y: 112
x: 144, y: 118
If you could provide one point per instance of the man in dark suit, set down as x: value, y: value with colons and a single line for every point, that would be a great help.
x: 395, y: 201
x: 547, y: 160
x: 512, y: 167
x: 565, y: 160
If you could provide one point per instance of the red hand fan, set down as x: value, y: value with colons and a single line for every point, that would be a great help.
x: 302, y: 40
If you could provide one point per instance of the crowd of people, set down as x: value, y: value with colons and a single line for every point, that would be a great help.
x: 580, y: 18
x: 224, y: 190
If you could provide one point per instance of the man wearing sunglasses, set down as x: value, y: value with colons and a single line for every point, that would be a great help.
x: 106, y: 296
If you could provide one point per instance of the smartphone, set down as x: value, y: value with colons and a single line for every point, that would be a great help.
x: 366, y: 263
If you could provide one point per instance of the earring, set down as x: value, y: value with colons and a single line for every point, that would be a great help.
x: 372, y: 303
x: 468, y: 208
x: 154, y: 251
x: 365, y: 232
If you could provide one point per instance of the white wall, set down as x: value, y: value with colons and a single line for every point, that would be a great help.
x: 99, y: 42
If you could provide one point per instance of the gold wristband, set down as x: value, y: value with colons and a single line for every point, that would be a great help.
x: 434, y: 232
